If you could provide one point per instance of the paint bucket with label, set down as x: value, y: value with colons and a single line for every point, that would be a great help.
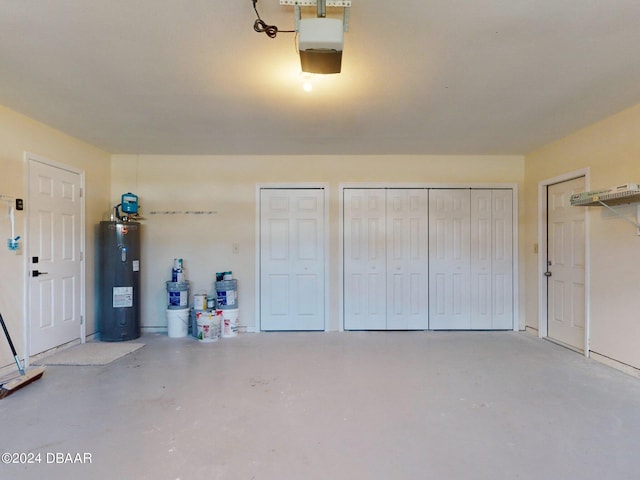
x: 229, y: 326
x: 227, y: 291
x: 177, y: 322
x: 200, y: 301
x: 178, y: 295
x: 208, y: 326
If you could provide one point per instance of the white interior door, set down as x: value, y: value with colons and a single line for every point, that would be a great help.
x: 292, y: 259
x: 491, y: 259
x: 449, y: 259
x: 407, y: 259
x: 55, y: 222
x: 566, y: 264
x: 364, y: 259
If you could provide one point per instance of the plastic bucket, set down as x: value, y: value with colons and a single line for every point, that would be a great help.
x: 207, y: 326
x: 177, y: 295
x: 227, y: 291
x: 229, y: 326
x: 177, y: 322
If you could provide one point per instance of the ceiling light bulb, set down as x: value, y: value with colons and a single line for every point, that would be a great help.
x: 307, y: 86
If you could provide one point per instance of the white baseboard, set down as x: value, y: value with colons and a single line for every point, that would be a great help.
x: 610, y: 362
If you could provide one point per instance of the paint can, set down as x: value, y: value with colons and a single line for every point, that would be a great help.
x: 211, y: 303
x: 200, y: 301
x: 178, y: 295
x: 208, y: 326
x: 229, y: 326
x: 227, y: 292
x: 177, y: 322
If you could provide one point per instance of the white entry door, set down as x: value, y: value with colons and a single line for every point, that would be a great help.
x: 407, y: 260
x: 55, y: 241
x: 292, y: 259
x: 449, y: 259
x: 566, y: 264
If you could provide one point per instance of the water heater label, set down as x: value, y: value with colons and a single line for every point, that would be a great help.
x: 122, y: 297
x: 136, y: 265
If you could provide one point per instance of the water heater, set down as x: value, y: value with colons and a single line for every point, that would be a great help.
x: 119, y: 281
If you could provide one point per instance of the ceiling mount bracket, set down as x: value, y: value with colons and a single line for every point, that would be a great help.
x: 321, y: 9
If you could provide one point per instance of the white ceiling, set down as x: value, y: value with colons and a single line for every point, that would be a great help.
x: 418, y: 76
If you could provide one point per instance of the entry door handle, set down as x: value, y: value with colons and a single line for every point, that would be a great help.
x: 37, y: 273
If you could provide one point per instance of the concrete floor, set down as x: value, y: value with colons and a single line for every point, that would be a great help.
x: 274, y: 406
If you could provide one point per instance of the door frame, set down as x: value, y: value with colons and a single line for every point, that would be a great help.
x: 517, y: 326
x: 28, y: 159
x: 543, y: 227
x: 290, y: 186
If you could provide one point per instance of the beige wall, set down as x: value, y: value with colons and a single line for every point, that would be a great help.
x: 228, y: 186
x: 19, y: 134
x: 611, y: 151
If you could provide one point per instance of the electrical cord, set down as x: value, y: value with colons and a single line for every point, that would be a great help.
x: 261, y: 26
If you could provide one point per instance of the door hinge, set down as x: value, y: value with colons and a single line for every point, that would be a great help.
x: 81, y: 320
x: 81, y: 192
x: 81, y: 256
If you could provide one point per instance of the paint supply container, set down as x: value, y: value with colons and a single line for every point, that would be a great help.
x: 178, y: 295
x: 211, y: 303
x: 208, y: 326
x: 229, y: 326
x: 177, y: 322
x: 177, y: 272
x: 227, y: 294
x: 200, y: 301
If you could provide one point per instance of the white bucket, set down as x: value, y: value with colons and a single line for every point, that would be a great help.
x: 177, y: 322
x: 200, y: 301
x: 229, y: 323
x: 208, y: 325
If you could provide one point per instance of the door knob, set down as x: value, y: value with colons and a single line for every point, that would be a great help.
x: 37, y: 273
x: 547, y: 274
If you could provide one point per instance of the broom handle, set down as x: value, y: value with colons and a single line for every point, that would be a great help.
x: 13, y: 349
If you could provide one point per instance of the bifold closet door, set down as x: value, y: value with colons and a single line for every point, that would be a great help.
x: 292, y: 259
x: 407, y: 259
x: 449, y: 259
x: 365, y: 304
x: 491, y: 259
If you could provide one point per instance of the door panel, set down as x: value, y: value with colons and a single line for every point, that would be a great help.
x: 55, y: 219
x: 407, y: 259
x: 365, y: 305
x: 566, y: 263
x: 292, y: 259
x: 491, y: 259
x: 449, y: 259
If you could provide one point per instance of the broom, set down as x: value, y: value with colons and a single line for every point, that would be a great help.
x: 25, y: 378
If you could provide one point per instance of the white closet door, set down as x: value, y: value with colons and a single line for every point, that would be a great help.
x: 502, y: 259
x: 449, y: 259
x: 491, y: 260
x: 407, y: 259
x: 364, y: 259
x: 292, y: 259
